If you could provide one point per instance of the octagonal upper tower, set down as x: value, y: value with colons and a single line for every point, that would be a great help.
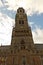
x: 21, y: 19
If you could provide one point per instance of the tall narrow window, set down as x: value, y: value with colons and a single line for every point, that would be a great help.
x: 21, y: 22
x: 24, y: 60
x: 22, y: 44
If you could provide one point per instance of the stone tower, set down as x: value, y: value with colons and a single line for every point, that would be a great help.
x: 22, y: 31
x: 22, y: 43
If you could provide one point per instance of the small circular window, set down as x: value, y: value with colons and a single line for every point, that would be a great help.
x: 20, y: 10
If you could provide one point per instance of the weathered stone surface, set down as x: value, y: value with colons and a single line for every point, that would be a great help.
x: 22, y: 50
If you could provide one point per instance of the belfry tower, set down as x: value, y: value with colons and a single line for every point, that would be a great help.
x: 22, y: 42
x: 22, y: 32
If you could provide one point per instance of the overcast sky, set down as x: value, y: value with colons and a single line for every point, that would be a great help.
x: 34, y: 11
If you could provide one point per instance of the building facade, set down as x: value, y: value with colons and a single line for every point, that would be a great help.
x: 22, y: 50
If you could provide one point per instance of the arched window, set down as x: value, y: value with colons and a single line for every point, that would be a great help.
x: 21, y: 21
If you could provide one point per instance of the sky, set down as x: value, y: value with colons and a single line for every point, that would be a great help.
x: 34, y: 11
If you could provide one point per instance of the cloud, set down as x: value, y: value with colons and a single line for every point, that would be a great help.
x: 31, y: 24
x: 0, y: 3
x: 4, y: 1
x: 30, y: 6
x: 7, y: 14
x: 38, y: 35
x: 6, y: 24
x: 33, y: 5
x: 36, y: 23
